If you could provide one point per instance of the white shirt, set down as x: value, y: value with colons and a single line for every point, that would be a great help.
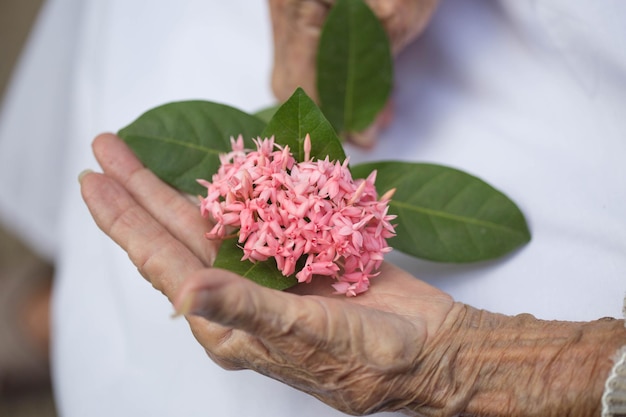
x: 526, y: 95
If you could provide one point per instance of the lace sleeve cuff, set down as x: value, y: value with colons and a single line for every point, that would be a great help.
x: 614, y: 398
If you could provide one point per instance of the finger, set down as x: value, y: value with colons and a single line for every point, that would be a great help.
x: 168, y: 206
x: 296, y: 26
x: 249, y: 326
x: 158, y: 255
x: 403, y: 20
x: 235, y: 302
x: 366, y: 138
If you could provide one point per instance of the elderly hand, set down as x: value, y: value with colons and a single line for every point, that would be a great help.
x: 297, y: 25
x: 336, y: 348
x: 403, y: 345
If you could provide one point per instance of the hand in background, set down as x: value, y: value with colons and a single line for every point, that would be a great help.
x: 297, y: 25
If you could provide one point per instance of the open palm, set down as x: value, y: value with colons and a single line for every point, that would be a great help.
x: 338, y: 349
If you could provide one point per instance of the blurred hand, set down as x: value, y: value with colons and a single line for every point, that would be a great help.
x: 297, y: 25
x: 359, y: 354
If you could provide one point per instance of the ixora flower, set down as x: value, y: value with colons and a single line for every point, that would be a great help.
x: 310, y: 216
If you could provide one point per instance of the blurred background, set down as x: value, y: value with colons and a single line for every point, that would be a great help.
x: 25, y: 278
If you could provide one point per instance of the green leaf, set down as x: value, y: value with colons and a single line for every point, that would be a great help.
x: 447, y: 215
x: 294, y: 119
x: 354, y: 66
x: 263, y: 273
x: 180, y: 142
x: 267, y: 113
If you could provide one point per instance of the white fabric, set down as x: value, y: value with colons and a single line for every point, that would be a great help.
x: 527, y: 95
x: 614, y: 396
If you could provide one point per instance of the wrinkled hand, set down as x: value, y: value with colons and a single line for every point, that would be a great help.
x: 297, y: 25
x: 359, y: 354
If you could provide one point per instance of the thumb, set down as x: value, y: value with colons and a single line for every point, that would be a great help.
x: 230, y: 300
x: 296, y: 27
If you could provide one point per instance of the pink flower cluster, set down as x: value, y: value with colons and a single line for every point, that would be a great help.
x: 311, y: 211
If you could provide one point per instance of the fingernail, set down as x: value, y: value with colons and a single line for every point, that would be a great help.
x: 185, y: 306
x: 83, y: 173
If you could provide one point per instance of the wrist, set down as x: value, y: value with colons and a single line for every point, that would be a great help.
x: 490, y: 364
x: 533, y: 367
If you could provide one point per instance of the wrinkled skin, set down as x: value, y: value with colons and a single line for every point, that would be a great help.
x: 297, y: 25
x: 359, y: 354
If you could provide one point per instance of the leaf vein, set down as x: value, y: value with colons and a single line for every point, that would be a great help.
x: 453, y: 217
